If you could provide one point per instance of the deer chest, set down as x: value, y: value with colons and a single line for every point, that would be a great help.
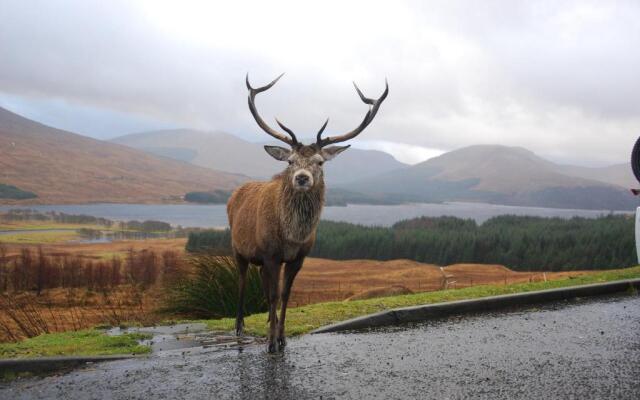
x: 290, y: 251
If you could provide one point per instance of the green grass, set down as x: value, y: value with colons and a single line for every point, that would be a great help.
x: 108, y: 255
x: 304, y: 319
x: 49, y: 225
x: 36, y: 237
x: 87, y: 343
x: 35, y: 234
x: 45, y: 225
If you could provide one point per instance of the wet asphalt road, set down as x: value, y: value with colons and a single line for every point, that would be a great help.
x: 583, y: 349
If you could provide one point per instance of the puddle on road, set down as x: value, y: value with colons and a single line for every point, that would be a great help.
x: 186, y: 336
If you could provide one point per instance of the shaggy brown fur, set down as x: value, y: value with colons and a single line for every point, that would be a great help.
x: 274, y: 223
x: 277, y: 221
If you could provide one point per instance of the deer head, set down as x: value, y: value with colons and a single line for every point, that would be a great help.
x: 306, y: 161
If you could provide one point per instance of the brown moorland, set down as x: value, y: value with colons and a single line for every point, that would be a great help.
x: 327, y: 280
x: 320, y: 280
x: 63, y: 167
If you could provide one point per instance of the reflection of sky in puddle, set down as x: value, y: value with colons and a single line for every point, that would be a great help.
x: 185, y: 336
x: 165, y: 337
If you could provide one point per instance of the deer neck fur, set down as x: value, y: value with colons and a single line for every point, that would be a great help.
x: 300, y: 211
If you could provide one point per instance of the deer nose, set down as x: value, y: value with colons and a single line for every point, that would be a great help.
x: 302, y: 179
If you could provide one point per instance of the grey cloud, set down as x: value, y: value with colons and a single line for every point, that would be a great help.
x: 557, y: 77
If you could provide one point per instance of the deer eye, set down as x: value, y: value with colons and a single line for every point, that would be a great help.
x: 320, y: 163
x: 290, y: 162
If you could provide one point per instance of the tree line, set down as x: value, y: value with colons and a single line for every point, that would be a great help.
x: 215, y: 197
x: 60, y: 217
x: 15, y: 193
x: 519, y: 242
x: 25, y: 214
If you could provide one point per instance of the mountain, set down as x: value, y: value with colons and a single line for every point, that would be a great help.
x: 63, y: 167
x: 40, y: 164
x: 500, y: 175
x: 225, y: 152
x: 618, y: 174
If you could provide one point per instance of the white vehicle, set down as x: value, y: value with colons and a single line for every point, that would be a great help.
x: 635, y: 165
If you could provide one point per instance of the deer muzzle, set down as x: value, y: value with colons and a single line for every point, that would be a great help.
x: 302, y: 180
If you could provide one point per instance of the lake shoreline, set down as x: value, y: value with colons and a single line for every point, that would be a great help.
x: 214, y: 216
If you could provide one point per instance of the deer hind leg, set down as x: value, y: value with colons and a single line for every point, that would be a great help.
x: 242, y: 265
x: 290, y: 271
x: 272, y: 270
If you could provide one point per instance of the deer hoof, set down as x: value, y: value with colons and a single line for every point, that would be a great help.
x: 282, y: 342
x: 239, y: 329
x: 272, y: 347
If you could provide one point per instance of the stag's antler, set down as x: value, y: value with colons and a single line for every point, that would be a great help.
x: 374, y: 105
x: 252, y: 106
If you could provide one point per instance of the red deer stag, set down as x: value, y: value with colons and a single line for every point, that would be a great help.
x: 275, y: 222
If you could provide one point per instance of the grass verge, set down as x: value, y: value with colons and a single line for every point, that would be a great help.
x: 304, y: 319
x: 90, y: 342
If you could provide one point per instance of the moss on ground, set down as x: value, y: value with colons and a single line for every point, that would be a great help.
x: 304, y: 319
x: 89, y: 342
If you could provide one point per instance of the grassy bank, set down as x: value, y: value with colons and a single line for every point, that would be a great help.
x: 304, y: 319
x: 87, y: 343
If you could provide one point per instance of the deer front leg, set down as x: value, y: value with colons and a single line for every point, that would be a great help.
x: 290, y: 271
x: 264, y: 276
x: 272, y: 270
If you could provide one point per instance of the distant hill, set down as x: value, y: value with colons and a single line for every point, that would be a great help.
x: 619, y: 174
x: 502, y: 175
x: 62, y: 167
x: 225, y: 152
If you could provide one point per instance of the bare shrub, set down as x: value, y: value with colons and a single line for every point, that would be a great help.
x: 41, y: 267
x: 116, y: 265
x: 4, y: 269
x: 91, y: 291
x: 141, y: 267
x: 21, y: 270
x: 147, y: 261
x: 171, y: 267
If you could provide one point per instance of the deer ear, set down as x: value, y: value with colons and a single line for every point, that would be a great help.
x: 332, y: 151
x: 277, y: 152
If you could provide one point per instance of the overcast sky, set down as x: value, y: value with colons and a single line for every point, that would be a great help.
x: 559, y: 77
